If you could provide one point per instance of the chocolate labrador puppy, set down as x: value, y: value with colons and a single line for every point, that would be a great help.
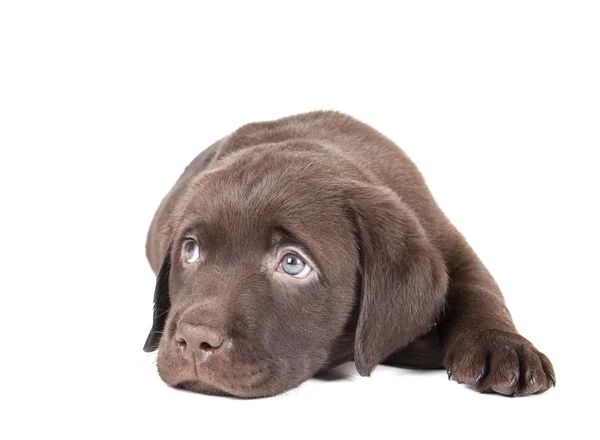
x: 294, y: 245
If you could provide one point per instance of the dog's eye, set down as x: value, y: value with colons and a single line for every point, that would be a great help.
x: 295, y: 266
x: 191, y: 251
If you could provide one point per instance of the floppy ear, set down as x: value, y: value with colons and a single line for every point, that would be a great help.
x: 162, y: 304
x: 404, y: 279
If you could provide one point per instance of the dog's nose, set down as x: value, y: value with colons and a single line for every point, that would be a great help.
x: 198, y: 342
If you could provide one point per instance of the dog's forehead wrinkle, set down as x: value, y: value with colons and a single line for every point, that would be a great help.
x: 249, y: 222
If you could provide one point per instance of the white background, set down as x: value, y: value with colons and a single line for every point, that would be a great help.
x: 102, y: 104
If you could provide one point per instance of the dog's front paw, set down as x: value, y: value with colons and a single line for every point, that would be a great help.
x: 501, y: 362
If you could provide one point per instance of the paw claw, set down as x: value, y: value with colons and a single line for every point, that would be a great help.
x: 479, y: 377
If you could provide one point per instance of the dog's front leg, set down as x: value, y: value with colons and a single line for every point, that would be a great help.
x: 482, y: 347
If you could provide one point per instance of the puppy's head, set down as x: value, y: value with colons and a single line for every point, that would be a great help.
x: 279, y: 264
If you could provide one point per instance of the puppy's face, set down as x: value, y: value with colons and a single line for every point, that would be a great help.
x: 265, y: 283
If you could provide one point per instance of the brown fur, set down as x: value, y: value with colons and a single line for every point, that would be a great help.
x: 394, y: 281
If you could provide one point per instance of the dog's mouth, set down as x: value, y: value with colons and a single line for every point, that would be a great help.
x: 250, y: 373
x: 252, y: 382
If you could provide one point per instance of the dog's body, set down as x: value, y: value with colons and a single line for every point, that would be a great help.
x: 393, y: 280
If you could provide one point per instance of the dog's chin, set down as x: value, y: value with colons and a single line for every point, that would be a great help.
x: 240, y: 391
x: 262, y: 384
x: 249, y: 381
